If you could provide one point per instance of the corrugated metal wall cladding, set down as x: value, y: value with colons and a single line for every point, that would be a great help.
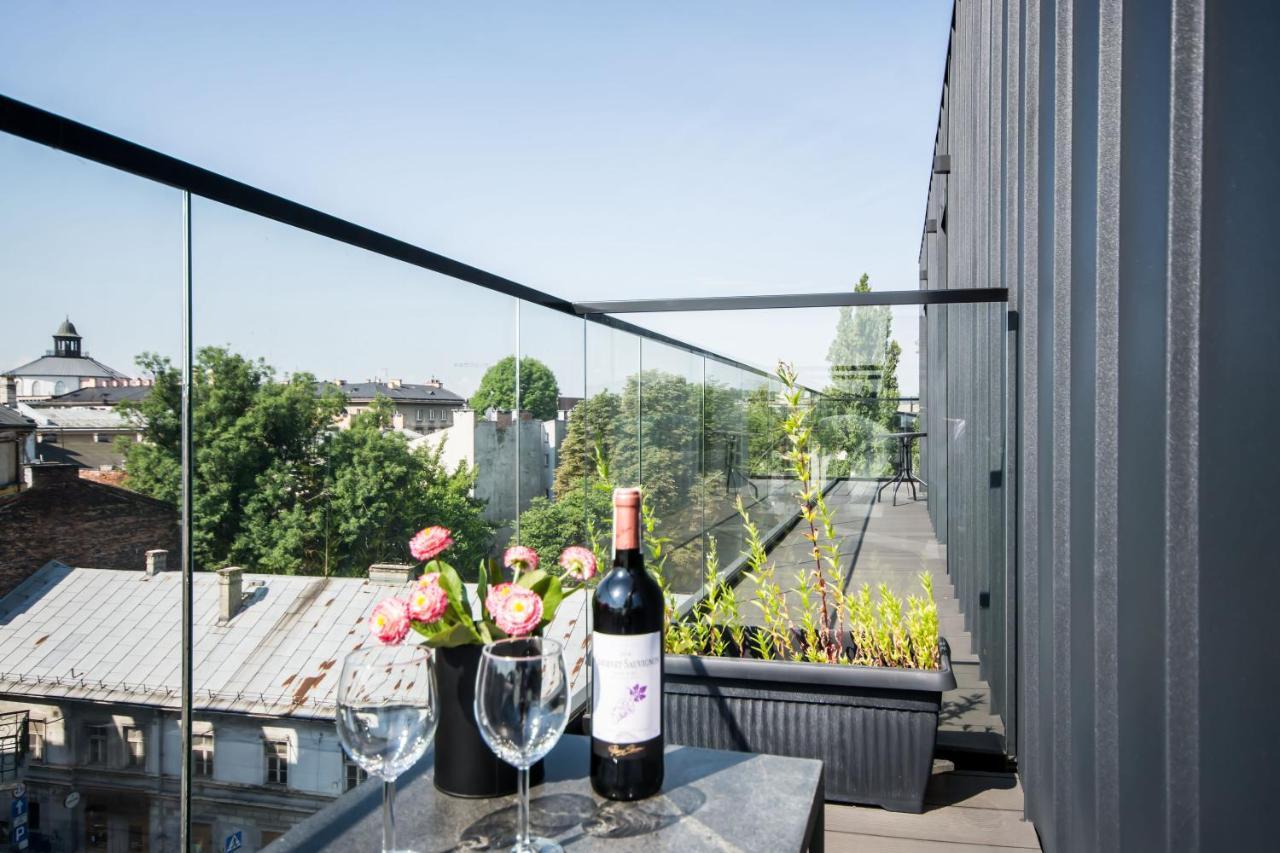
x: 1103, y: 158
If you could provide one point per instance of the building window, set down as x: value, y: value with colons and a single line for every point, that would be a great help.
x: 135, y: 746
x: 35, y: 741
x: 277, y: 752
x: 270, y: 835
x: 419, y: 414
x: 202, y: 838
x: 102, y: 438
x: 97, y: 736
x: 202, y: 755
x: 33, y: 815
x: 355, y: 774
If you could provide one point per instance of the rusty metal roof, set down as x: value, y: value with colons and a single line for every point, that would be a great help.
x: 113, y: 636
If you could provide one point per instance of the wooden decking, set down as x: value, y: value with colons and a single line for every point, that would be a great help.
x: 967, y: 811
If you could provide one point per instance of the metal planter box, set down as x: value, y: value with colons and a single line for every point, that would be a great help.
x: 873, y: 727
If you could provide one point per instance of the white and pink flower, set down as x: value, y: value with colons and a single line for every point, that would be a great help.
x: 389, y: 622
x: 428, y: 601
x: 428, y: 543
x: 520, y: 558
x: 578, y: 563
x: 520, y: 613
x: 497, y: 595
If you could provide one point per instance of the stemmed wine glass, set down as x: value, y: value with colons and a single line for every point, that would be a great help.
x: 522, y: 707
x: 386, y: 716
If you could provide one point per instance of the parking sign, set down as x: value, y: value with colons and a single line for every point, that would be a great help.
x: 20, y: 837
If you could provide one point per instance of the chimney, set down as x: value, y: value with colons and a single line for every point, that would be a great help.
x: 157, y: 561
x: 434, y: 383
x: 47, y: 474
x: 393, y: 383
x: 392, y: 573
x: 229, y: 593
x: 8, y: 391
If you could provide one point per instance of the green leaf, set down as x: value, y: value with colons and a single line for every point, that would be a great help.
x: 482, y: 585
x: 441, y: 635
x: 457, y: 591
x: 535, y: 581
x: 551, y: 599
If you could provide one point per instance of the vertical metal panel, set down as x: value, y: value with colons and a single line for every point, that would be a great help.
x: 1239, y: 467
x: 1112, y: 165
x: 1182, y: 377
x: 1106, y: 434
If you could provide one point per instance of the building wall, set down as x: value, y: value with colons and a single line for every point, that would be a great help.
x: 491, y: 448
x: 123, y: 799
x: 1112, y: 165
x: 80, y: 523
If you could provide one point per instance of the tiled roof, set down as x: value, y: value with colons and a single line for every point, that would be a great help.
x: 56, y: 365
x: 362, y: 392
x: 115, y: 636
x: 100, y: 396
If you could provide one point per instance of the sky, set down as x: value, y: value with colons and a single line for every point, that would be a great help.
x: 591, y: 150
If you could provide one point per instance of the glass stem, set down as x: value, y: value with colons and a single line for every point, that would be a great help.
x: 388, y: 815
x: 522, y: 840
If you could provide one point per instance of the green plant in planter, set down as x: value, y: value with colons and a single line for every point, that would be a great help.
x: 833, y: 626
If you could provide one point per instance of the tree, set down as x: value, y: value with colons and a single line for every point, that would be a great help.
x: 857, y: 407
x: 592, y: 429
x: 539, y: 391
x: 277, y: 487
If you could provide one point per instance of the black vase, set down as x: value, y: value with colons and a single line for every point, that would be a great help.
x: 465, y: 766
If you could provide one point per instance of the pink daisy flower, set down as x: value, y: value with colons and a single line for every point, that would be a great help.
x: 497, y: 595
x: 520, y: 613
x: 520, y: 558
x: 578, y: 563
x: 389, y: 622
x: 428, y: 601
x: 429, y: 542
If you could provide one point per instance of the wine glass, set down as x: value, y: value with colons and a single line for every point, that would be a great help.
x: 387, y: 715
x: 522, y: 707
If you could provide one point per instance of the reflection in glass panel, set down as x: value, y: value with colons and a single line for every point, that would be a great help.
x: 342, y: 402
x: 91, y: 263
x: 668, y: 403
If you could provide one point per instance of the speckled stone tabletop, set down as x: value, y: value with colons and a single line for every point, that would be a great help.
x: 710, y: 800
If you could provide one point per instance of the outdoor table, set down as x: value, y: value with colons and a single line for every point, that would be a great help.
x: 904, y: 474
x: 710, y: 800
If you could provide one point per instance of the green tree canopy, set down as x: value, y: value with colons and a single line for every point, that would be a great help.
x: 539, y: 391
x: 858, y: 406
x: 279, y: 488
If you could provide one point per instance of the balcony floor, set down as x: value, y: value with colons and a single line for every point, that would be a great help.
x: 965, y: 812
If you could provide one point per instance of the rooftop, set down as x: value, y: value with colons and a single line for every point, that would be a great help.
x: 80, y: 417
x: 108, y: 635
x: 359, y: 392
x: 58, y: 365
x: 102, y: 395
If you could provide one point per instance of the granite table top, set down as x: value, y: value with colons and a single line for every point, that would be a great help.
x: 710, y: 800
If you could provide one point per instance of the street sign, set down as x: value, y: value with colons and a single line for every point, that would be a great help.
x: 19, y: 790
x: 20, y: 837
x: 19, y: 807
x: 72, y: 800
x: 20, y: 820
x: 234, y: 841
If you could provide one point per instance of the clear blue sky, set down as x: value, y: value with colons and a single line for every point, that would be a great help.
x: 592, y: 150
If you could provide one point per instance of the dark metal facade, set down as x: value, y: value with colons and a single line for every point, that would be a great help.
x: 1112, y: 164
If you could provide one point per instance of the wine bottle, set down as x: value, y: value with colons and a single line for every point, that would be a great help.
x: 626, y: 666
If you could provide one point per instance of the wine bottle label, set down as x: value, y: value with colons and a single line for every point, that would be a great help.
x: 626, y: 672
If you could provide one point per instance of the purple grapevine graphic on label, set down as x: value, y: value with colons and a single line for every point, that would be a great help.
x: 628, y: 704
